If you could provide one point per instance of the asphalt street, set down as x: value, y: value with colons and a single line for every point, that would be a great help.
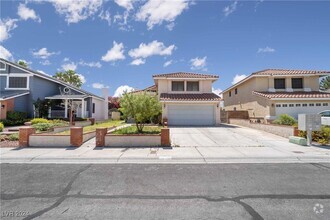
x: 178, y: 191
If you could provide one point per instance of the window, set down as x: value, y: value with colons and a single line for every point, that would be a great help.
x: 311, y: 104
x: 304, y: 105
x: 17, y: 82
x: 318, y: 104
x: 193, y: 86
x: 229, y: 93
x: 284, y: 105
x: 298, y: 105
x: 177, y: 86
x: 236, y: 91
x: 279, y: 83
x: 297, y: 83
x: 291, y: 105
x: 278, y: 105
x: 2, y: 66
x: 93, y: 107
x: 325, y: 104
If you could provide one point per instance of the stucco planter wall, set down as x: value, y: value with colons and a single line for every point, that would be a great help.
x: 112, y: 140
x: 281, y: 130
x: 44, y: 140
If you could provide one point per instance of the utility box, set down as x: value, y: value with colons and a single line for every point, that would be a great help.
x: 309, y: 122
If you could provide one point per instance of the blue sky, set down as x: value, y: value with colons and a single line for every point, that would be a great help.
x: 122, y: 43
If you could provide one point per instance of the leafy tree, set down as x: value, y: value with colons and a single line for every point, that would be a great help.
x: 22, y: 63
x: 69, y: 76
x: 142, y: 107
x: 325, y: 83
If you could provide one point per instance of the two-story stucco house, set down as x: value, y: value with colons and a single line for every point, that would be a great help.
x: 269, y: 93
x: 20, y: 87
x: 187, y: 98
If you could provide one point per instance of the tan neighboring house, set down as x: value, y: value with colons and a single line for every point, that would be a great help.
x: 152, y: 90
x: 269, y: 93
x: 187, y: 98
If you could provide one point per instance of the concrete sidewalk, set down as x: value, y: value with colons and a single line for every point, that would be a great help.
x: 280, y: 152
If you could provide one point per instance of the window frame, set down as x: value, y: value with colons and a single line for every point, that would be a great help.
x: 236, y: 91
x: 229, y: 93
x: 27, y: 76
x: 192, y: 90
x: 4, y: 68
x: 302, y: 83
x: 178, y: 82
x: 279, y: 79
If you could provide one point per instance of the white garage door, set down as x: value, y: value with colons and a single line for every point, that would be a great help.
x: 191, y: 115
x: 294, y: 109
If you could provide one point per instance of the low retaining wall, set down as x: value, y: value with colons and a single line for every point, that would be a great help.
x: 82, y: 123
x: 88, y: 136
x: 112, y: 140
x: 134, y: 140
x: 281, y: 130
x: 48, y: 140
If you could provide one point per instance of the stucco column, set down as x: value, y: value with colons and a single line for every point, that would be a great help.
x: 288, y: 84
x: 271, y: 84
x: 66, y: 109
x: 82, y: 108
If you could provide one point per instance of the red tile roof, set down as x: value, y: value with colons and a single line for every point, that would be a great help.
x: 186, y: 75
x: 293, y: 95
x: 282, y: 72
x: 189, y: 97
x: 152, y: 88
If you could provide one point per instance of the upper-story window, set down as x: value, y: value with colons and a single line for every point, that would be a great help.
x: 17, y: 82
x: 279, y: 83
x: 177, y: 85
x: 192, y: 86
x: 297, y: 83
x: 229, y: 93
x: 236, y: 91
x: 2, y: 66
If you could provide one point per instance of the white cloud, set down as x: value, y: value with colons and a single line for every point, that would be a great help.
x: 105, y: 15
x: 138, y: 62
x: 69, y: 66
x: 216, y: 91
x: 90, y: 64
x: 40, y: 71
x: 99, y: 86
x: 127, y: 4
x: 167, y: 63
x: 26, y: 13
x: 153, y: 48
x: 266, y: 50
x: 5, y: 54
x: 121, y: 20
x: 155, y: 12
x: 230, y: 8
x: 238, y: 78
x: 122, y: 89
x: 170, y: 26
x: 6, y: 26
x: 115, y: 53
x: 198, y: 63
x: 77, y: 10
x: 43, y: 53
x: 82, y: 78
x: 45, y: 62
x: 66, y: 59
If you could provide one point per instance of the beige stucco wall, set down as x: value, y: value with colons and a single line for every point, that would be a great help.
x: 165, y: 86
x: 256, y: 105
x: 49, y: 140
x: 216, y: 107
x: 132, y: 140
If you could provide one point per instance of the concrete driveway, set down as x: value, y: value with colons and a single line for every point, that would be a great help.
x: 223, y: 136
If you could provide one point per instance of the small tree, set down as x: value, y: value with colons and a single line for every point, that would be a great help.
x: 141, y: 107
x: 325, y: 83
x: 70, y: 77
x: 22, y: 63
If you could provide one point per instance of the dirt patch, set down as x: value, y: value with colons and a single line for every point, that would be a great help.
x: 9, y: 143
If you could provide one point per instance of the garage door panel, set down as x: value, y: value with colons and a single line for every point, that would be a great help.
x: 295, y: 110
x: 191, y: 115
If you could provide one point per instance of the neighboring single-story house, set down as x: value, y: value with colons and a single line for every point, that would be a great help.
x: 20, y: 87
x: 187, y: 98
x: 269, y: 93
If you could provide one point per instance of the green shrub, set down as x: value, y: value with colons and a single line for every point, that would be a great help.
x: 43, y: 126
x: 39, y: 121
x: 285, y: 119
x: 1, y: 126
x: 322, y: 137
x: 58, y: 122
x: 16, y: 116
x: 13, y: 123
x: 13, y: 137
